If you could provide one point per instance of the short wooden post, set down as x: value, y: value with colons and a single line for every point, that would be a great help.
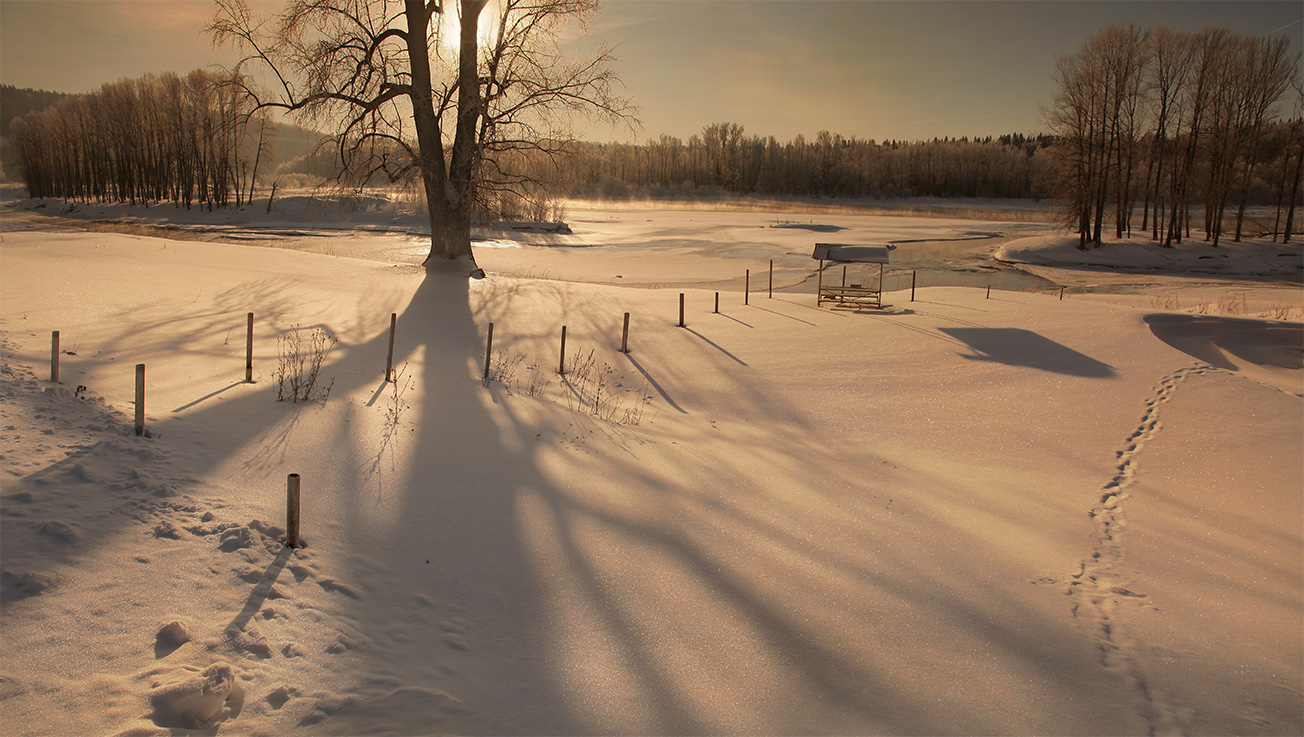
x: 389, y: 359
x: 140, y: 399
x: 844, y: 275
x: 989, y: 292
x: 681, y: 310
x: 292, y: 511
x: 624, y: 336
x: 561, y: 366
x: 54, y: 356
x: 1061, y: 294
x: 717, y: 303
x: 249, y: 348
x: 771, y: 294
x: 488, y: 350
x: 913, y: 274
x: 747, y: 287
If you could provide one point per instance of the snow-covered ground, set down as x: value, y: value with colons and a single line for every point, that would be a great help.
x: 961, y: 514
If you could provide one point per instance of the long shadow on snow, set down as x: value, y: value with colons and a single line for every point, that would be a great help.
x: 462, y: 510
x: 1019, y: 347
x: 1219, y: 340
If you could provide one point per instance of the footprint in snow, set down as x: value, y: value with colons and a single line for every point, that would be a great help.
x: 60, y: 531
x: 333, y: 586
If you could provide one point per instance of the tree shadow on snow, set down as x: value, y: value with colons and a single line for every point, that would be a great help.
x: 1019, y: 347
x: 1223, y: 341
x: 469, y: 640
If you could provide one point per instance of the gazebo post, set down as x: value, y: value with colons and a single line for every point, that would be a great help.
x: 819, y: 289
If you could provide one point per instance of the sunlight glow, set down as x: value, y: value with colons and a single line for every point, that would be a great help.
x: 448, y: 36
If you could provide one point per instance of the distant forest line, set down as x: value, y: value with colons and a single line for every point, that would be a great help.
x: 66, y: 133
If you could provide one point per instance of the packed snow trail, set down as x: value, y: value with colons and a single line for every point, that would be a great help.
x: 1100, y: 587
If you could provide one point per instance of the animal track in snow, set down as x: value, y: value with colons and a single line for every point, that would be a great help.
x: 1098, y: 588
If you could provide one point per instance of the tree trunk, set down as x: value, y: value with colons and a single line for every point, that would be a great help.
x: 430, y: 144
x: 448, y: 194
x: 1294, y: 194
x: 258, y: 154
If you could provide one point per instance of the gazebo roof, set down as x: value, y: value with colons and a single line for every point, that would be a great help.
x: 851, y: 254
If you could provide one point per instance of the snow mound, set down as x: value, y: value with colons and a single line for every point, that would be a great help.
x: 197, y: 701
x: 1249, y: 258
x: 14, y: 586
x: 171, y: 636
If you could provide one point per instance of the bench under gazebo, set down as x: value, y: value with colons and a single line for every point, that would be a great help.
x: 861, y: 294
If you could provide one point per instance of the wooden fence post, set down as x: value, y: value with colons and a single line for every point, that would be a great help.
x: 488, y: 350
x: 717, y: 303
x: 389, y: 359
x: 292, y: 511
x: 561, y: 366
x: 681, y: 310
x: 140, y: 399
x: 989, y: 292
x: 1061, y: 294
x: 771, y: 296
x: 747, y: 287
x: 54, y: 356
x: 624, y: 336
x: 249, y: 348
x: 912, y: 285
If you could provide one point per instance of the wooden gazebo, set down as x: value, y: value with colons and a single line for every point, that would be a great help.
x: 860, y: 295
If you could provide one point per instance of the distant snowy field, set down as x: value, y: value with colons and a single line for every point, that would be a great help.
x: 961, y: 514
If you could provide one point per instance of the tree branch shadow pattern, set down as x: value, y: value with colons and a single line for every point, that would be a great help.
x: 482, y: 623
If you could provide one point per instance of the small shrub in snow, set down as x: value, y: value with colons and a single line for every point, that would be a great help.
x: 398, y: 405
x: 587, y: 386
x: 592, y: 388
x: 503, y: 367
x: 1278, y: 312
x: 1233, y: 304
x: 538, y: 382
x: 298, y: 371
x: 1165, y: 302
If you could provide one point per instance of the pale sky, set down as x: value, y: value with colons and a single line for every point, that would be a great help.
x: 879, y: 69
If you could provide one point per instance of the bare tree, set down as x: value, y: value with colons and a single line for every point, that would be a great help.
x: 141, y: 140
x: 1094, y: 113
x: 1168, y: 69
x: 411, y: 97
x: 1202, y: 100
x: 1294, y: 145
x: 1272, y: 69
